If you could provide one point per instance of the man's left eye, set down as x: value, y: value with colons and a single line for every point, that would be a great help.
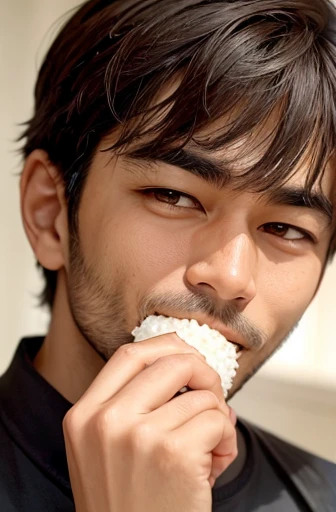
x: 285, y: 231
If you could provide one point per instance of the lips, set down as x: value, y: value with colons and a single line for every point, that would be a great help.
x: 219, y: 353
x: 228, y: 333
x: 225, y: 331
x: 230, y: 336
x: 239, y: 349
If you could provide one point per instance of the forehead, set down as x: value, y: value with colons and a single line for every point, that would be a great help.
x: 326, y: 182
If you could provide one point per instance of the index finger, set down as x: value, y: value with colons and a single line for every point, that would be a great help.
x: 129, y: 360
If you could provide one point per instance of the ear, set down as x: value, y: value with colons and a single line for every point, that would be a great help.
x: 44, y: 210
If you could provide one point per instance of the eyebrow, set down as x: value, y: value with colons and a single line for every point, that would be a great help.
x: 201, y: 166
x: 218, y: 176
x: 299, y: 197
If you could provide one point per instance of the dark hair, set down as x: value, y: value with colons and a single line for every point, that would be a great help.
x: 239, y: 60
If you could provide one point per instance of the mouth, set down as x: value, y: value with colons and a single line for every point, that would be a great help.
x: 239, y: 349
x: 228, y: 334
x: 220, y: 349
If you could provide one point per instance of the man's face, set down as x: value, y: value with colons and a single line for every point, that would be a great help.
x: 154, y: 238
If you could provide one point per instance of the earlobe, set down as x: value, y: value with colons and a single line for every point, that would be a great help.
x: 43, y: 210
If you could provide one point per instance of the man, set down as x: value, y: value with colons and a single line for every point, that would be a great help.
x: 180, y: 161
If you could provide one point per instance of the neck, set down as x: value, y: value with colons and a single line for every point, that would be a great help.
x: 66, y: 360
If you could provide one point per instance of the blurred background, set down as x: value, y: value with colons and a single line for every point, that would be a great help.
x: 294, y: 395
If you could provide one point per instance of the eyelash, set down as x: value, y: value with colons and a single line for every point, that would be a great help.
x: 306, y: 235
x: 166, y: 191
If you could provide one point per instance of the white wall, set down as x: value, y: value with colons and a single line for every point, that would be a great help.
x: 294, y: 394
x: 26, y: 30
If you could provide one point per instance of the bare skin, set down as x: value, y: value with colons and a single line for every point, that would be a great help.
x: 239, y: 252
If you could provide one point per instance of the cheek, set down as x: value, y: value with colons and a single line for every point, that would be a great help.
x: 143, y: 250
x: 290, y: 287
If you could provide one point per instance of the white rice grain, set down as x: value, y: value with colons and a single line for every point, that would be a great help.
x: 220, y: 354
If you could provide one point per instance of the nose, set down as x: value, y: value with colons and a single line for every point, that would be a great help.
x: 227, y: 271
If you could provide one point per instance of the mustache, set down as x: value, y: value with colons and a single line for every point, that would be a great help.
x: 188, y: 304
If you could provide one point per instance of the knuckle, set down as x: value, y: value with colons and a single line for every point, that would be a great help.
x: 169, y: 448
x: 206, y: 398
x: 185, y: 407
x: 72, y: 421
x: 100, y: 424
x: 196, y: 400
x: 198, y: 354
x: 167, y: 457
x: 187, y: 361
x: 142, y: 436
x: 170, y: 362
x: 129, y: 350
x: 106, y: 422
x: 194, y: 357
x: 215, y: 380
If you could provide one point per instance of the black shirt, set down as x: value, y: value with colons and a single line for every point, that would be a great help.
x: 277, y: 476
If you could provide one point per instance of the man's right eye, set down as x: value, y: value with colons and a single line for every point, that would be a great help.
x: 173, y: 198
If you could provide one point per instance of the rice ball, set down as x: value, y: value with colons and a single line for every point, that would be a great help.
x: 220, y: 354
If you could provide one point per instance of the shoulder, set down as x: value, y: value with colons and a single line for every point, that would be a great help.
x: 313, y: 476
x: 9, y: 495
x: 291, y: 452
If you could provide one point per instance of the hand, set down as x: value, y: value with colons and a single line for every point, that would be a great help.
x: 133, y: 446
